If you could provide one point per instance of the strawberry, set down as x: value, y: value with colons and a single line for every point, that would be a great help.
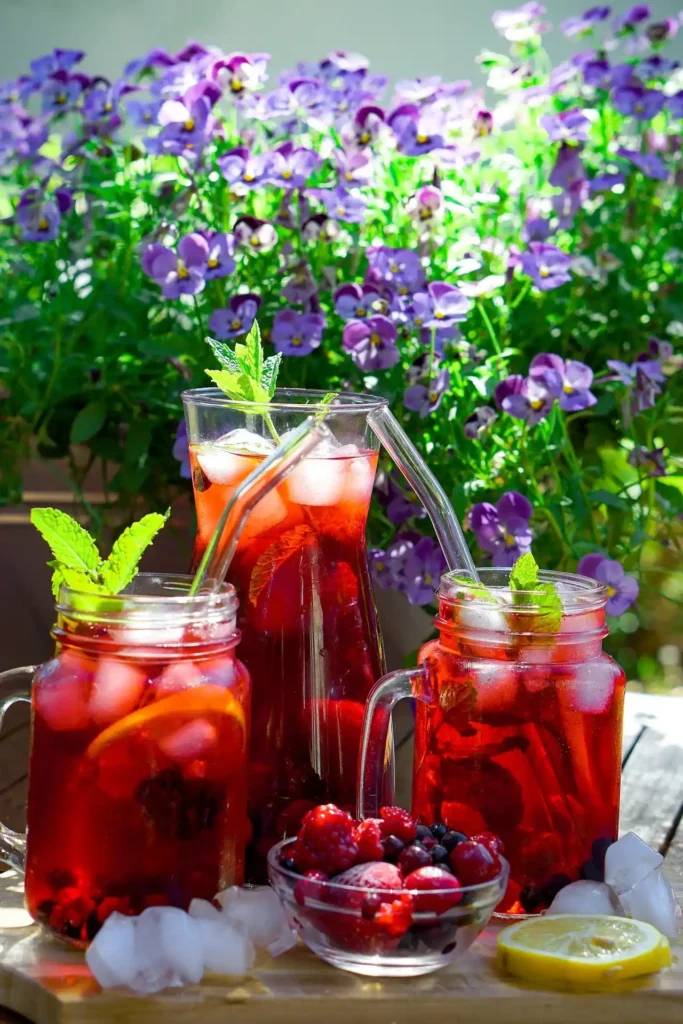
x: 368, y: 836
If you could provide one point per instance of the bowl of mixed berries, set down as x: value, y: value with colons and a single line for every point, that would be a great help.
x: 387, y: 897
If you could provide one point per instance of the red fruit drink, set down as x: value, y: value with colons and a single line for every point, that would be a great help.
x: 137, y: 781
x: 309, y: 633
x: 522, y: 736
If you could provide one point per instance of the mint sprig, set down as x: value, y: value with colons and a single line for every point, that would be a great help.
x: 77, y: 562
x: 245, y: 375
x: 528, y: 590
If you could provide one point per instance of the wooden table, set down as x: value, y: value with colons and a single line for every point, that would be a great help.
x: 48, y: 982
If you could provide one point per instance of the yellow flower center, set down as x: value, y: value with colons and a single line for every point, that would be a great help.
x: 361, y: 312
x: 394, y: 268
x: 236, y: 85
x: 639, y: 108
x: 375, y: 341
x: 427, y: 579
x: 418, y: 321
x: 236, y: 324
x: 108, y: 107
x: 439, y: 315
x: 544, y: 272
x: 380, y: 566
x: 568, y: 389
x: 422, y: 139
x: 340, y: 211
x: 509, y: 540
x: 348, y: 176
x: 296, y: 342
x: 364, y: 138
x: 213, y: 263
x: 147, y: 117
x: 536, y: 403
x: 60, y: 99
x: 286, y: 175
x: 425, y: 213
x: 248, y: 177
x: 182, y: 269
x: 189, y: 125
x: 43, y: 224
x: 344, y: 105
x: 611, y: 591
x: 255, y: 241
x: 433, y: 397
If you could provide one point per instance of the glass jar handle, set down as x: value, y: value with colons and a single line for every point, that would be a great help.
x: 374, y: 756
x: 13, y: 844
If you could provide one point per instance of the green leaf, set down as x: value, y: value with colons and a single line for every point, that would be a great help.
x: 250, y: 355
x: 271, y: 368
x: 326, y: 402
x: 524, y: 575
x: 240, y: 387
x: 73, y: 579
x: 72, y: 546
x: 270, y: 560
x: 225, y: 355
x: 88, y: 422
x: 602, y: 497
x: 549, y: 617
x: 122, y: 565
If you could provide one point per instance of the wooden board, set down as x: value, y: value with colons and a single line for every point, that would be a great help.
x: 49, y: 983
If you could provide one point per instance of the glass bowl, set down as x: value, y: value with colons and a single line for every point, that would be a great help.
x: 348, y: 927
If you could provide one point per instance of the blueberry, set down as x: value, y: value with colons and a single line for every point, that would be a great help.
x: 439, y: 855
x: 290, y: 865
x: 439, y: 831
x: 392, y: 847
x: 599, y: 849
x: 531, y: 898
x: 423, y: 832
x: 592, y: 871
x: 451, y: 839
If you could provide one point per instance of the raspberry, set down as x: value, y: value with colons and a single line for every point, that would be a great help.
x: 414, y: 857
x: 396, y: 917
x: 398, y: 822
x: 368, y: 836
x: 326, y: 836
x: 474, y: 863
x: 428, y: 880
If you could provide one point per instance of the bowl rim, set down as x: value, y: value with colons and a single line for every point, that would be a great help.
x: 274, y: 863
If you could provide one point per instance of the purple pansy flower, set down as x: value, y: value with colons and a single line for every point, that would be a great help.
x: 400, y: 503
x: 220, y: 260
x: 181, y: 451
x: 299, y: 100
x: 567, y: 380
x: 399, y: 267
x: 425, y: 399
x: 300, y: 286
x: 426, y: 205
x: 259, y: 235
x: 143, y: 112
x: 644, y: 377
x: 652, y: 460
x: 622, y: 590
x: 521, y: 24
x: 503, y: 529
x: 178, y: 274
x: 524, y: 398
x: 479, y: 422
x: 156, y: 58
x: 371, y: 343
x: 583, y: 24
x: 237, y: 319
x: 572, y: 125
x: 568, y: 166
x: 659, y: 31
x: 674, y: 104
x: 240, y: 72
x: 600, y: 74
x: 103, y: 102
x: 440, y: 306
x: 61, y: 92
x: 240, y: 167
x: 418, y: 130
x: 635, y: 15
x: 536, y: 229
x: 422, y: 571
x: 187, y: 124
x: 51, y: 63
x: 38, y: 218
x: 354, y: 167
x: 647, y: 163
x: 368, y: 122
x: 417, y: 90
x: 297, y: 334
x: 388, y: 567
x: 290, y: 166
x: 353, y: 302
x: 340, y: 204
x: 607, y: 181
x: 639, y: 102
x: 483, y: 123
x: 546, y: 265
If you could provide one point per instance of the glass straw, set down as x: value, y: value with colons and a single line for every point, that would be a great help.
x: 427, y: 487
x: 219, y: 554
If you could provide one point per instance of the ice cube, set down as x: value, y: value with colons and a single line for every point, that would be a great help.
x: 591, y: 687
x: 482, y: 615
x: 193, y: 740
x: 266, y: 513
x: 203, y: 910
x: 586, y: 897
x: 226, y: 947
x: 147, y: 628
x: 496, y: 687
x: 360, y: 475
x: 180, y: 675
x: 168, y: 944
x: 259, y: 911
x: 111, y: 955
x: 652, y: 900
x: 116, y: 690
x: 629, y: 861
x: 224, y: 467
x: 61, y: 692
x: 245, y: 441
x: 317, y: 481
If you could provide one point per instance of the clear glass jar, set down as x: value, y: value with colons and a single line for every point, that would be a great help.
x: 518, y: 731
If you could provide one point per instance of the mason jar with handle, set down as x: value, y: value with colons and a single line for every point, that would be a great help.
x: 137, y: 774
x: 518, y: 731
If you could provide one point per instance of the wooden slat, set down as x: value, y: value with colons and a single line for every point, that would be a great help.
x: 652, y: 787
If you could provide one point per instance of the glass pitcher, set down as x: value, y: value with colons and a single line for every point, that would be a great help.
x: 137, y: 775
x: 517, y: 732
x: 310, y: 636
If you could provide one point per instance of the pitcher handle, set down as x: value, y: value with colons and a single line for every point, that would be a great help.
x: 374, y: 756
x: 13, y: 844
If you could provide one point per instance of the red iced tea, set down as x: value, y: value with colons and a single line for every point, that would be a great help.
x: 137, y: 782
x: 309, y: 634
x: 522, y: 736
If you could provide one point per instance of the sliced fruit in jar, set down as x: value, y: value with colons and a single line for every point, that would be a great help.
x: 581, y: 951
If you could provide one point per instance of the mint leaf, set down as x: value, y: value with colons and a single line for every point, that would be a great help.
x: 250, y: 355
x: 326, y: 401
x: 524, y: 575
x: 72, y: 546
x: 239, y: 387
x: 73, y: 579
x: 271, y: 368
x: 270, y: 560
x: 549, y: 617
x: 122, y: 564
x: 225, y: 355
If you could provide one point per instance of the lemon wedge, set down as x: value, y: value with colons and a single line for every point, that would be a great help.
x: 583, y: 952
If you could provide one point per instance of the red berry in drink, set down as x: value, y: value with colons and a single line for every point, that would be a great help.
x: 474, y: 863
x: 441, y: 889
x: 396, y: 917
x: 368, y: 837
x: 327, y: 837
x: 398, y: 822
x: 493, y: 843
x: 413, y: 857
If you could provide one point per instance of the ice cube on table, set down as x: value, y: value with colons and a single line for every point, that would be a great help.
x: 259, y: 911
x: 168, y: 944
x: 61, y: 692
x: 652, y: 900
x: 193, y: 740
x: 116, y: 690
x: 203, y: 910
x: 226, y: 947
x: 111, y: 956
x: 629, y: 861
x: 586, y: 897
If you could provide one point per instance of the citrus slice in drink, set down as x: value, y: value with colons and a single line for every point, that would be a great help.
x: 583, y: 952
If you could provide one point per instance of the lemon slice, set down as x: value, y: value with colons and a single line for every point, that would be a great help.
x: 581, y: 951
x: 157, y: 719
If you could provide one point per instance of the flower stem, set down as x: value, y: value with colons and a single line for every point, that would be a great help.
x: 490, y: 328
